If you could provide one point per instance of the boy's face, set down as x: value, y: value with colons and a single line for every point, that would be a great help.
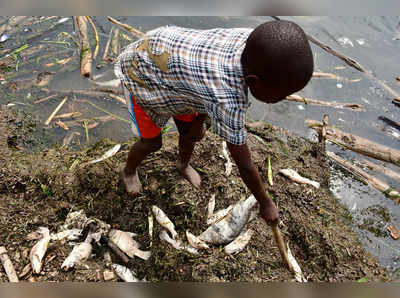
x: 265, y: 92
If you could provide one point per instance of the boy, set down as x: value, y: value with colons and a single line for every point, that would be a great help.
x: 191, y: 74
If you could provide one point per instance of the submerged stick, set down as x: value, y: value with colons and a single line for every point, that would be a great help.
x: 45, y: 99
x: 8, y: 266
x: 327, y: 75
x: 358, y: 144
x: 388, y: 172
x: 56, y: 111
x: 96, y: 50
x: 126, y: 27
x: 115, y: 43
x: 375, y: 182
x: 86, y: 53
x: 334, y: 104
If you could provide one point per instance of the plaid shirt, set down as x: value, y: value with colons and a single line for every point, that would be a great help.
x: 175, y: 70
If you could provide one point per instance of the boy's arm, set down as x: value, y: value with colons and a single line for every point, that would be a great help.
x: 251, y: 177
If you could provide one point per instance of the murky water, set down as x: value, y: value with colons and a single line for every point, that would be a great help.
x: 373, y: 41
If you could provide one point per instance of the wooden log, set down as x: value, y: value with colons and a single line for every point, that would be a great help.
x: 358, y: 144
x: 126, y: 27
x: 370, y: 180
x: 375, y: 167
x: 334, y: 104
x: 86, y: 53
x: 8, y: 266
x: 96, y: 50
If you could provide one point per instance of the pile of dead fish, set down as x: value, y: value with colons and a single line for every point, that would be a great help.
x: 227, y: 226
x: 74, y: 228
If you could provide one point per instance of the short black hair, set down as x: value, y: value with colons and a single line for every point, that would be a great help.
x: 279, y: 53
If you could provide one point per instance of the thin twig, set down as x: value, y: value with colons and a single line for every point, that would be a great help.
x: 56, y: 111
x: 126, y: 27
x: 96, y: 50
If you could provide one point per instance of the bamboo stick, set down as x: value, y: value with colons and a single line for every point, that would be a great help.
x: 388, y: 172
x: 378, y: 184
x: 8, y: 266
x: 86, y: 53
x: 55, y: 111
x: 358, y: 144
x: 298, y: 98
x: 126, y: 27
x: 96, y: 50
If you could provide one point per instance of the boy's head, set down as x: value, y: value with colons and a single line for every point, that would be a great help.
x: 277, y: 60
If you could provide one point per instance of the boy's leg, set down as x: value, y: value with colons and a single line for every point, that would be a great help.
x: 137, y: 154
x: 186, y: 147
x: 150, y: 141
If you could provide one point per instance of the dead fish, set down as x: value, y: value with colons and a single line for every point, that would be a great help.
x: 220, y: 214
x: 128, y: 245
x: 211, y: 207
x: 164, y: 221
x: 196, y: 242
x: 293, y: 175
x: 228, y: 228
x: 296, y: 268
x: 177, y: 244
x: 108, y: 154
x: 394, y: 232
x: 124, y: 273
x: 228, y: 164
x: 75, y: 219
x: 70, y: 235
x: 39, y: 250
x: 79, y: 253
x: 113, y: 83
x: 239, y: 243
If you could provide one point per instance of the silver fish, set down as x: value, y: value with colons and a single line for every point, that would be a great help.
x: 220, y: 214
x: 195, y: 241
x: 177, y: 244
x: 228, y: 228
x: 124, y: 273
x: 72, y: 234
x: 296, y: 268
x: 39, y: 250
x: 293, y: 175
x: 164, y: 221
x: 239, y: 243
x: 128, y: 245
x: 79, y: 253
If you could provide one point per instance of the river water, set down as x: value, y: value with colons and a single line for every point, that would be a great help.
x: 373, y: 41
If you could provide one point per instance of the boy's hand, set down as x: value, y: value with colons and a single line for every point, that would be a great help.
x: 269, y: 213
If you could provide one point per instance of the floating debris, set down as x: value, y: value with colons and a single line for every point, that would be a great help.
x: 228, y: 228
x: 128, y: 245
x: 124, y: 273
x: 4, y: 38
x: 177, y: 244
x: 196, y: 242
x: 393, y: 231
x: 293, y: 175
x: 344, y: 41
x: 340, y: 86
x: 79, y: 253
x: 239, y: 243
x: 39, y: 250
x: 164, y: 221
x: 63, y: 20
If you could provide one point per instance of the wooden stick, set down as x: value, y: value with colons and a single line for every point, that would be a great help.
x: 126, y: 27
x: 358, y: 144
x: 68, y: 115
x: 45, y: 99
x: 396, y: 101
x: 281, y: 245
x: 86, y: 53
x: 390, y: 122
x: 108, y: 44
x: 378, y: 184
x: 115, y: 43
x: 326, y: 75
x: 116, y: 97
x: 55, y: 111
x: 388, y: 172
x: 8, y: 266
x: 96, y: 50
x: 298, y: 98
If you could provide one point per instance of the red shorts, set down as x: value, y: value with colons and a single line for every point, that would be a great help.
x: 146, y: 127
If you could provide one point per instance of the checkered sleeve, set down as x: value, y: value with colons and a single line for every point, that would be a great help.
x: 229, y: 123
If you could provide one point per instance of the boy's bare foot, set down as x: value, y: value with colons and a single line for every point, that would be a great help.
x: 132, y: 183
x: 189, y: 174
